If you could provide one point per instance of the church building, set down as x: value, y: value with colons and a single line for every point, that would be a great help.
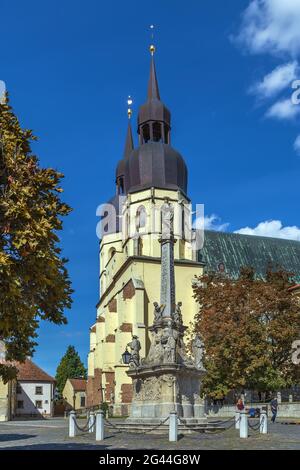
x: 146, y: 177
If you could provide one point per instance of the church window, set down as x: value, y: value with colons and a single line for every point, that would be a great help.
x: 120, y: 185
x: 141, y: 217
x: 166, y: 134
x: 146, y: 133
x: 157, y: 132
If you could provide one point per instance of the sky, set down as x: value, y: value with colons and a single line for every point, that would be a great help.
x: 225, y: 70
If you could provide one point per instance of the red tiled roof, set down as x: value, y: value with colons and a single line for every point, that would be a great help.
x: 31, y: 372
x: 79, y: 385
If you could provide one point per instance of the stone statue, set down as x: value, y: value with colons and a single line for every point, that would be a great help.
x: 167, y: 212
x: 178, y: 314
x: 135, y: 347
x: 157, y: 312
x: 198, y: 352
x: 169, y: 341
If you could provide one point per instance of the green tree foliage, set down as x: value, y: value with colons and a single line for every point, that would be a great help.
x: 34, y: 283
x: 70, y: 367
x: 248, y: 327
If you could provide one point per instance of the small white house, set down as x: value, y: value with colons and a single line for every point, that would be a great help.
x: 35, y: 391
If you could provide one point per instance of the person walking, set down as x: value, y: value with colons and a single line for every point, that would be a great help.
x: 240, y: 405
x: 274, y: 409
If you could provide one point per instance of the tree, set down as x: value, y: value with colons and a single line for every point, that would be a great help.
x: 70, y: 367
x: 248, y: 327
x: 34, y: 283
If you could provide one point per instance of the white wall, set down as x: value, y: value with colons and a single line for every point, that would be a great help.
x: 29, y: 397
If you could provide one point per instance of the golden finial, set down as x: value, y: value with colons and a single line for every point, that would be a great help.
x: 152, y: 47
x: 129, y: 109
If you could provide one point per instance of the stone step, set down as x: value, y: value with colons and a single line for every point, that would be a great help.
x: 164, y: 428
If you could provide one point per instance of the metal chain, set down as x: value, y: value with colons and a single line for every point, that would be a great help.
x: 86, y: 427
x: 137, y: 432
x: 216, y: 429
x: 226, y: 420
x: 257, y: 426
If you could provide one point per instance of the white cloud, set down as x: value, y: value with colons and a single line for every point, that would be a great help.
x: 271, y: 26
x: 213, y: 222
x: 275, y: 81
x: 272, y: 228
x: 297, y: 145
x: 283, y: 109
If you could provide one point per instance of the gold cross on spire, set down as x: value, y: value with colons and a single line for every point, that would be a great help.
x: 129, y: 104
x: 152, y: 47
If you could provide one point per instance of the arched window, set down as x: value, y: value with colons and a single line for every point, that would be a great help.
x: 146, y: 133
x: 157, y: 137
x: 120, y: 185
x: 140, y: 218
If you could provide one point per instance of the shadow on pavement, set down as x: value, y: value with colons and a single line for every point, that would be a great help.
x: 55, y: 446
x: 15, y: 437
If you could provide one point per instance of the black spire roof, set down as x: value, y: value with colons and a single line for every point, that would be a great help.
x: 154, y: 163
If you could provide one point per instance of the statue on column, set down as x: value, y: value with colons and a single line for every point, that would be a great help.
x: 167, y: 213
x: 178, y: 314
x: 198, y: 352
x: 157, y: 312
x: 169, y: 340
x: 135, y: 347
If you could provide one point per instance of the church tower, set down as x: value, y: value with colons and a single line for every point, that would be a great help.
x: 130, y: 250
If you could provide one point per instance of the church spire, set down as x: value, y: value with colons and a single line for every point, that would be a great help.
x: 128, y: 142
x: 128, y: 148
x: 154, y: 119
x: 153, y: 90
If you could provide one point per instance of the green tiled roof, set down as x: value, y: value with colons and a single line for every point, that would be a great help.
x: 235, y: 250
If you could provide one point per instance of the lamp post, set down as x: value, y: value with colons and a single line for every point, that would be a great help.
x: 126, y: 356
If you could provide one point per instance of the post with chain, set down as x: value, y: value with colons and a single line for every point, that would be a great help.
x: 237, y: 420
x: 100, y: 425
x: 263, y: 420
x: 91, y: 422
x: 243, y: 425
x: 173, y: 427
x: 72, y: 427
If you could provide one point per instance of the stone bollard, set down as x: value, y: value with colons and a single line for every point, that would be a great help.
x: 91, y: 422
x: 100, y: 425
x: 263, y: 420
x: 243, y: 425
x: 72, y: 427
x: 237, y: 420
x: 173, y: 427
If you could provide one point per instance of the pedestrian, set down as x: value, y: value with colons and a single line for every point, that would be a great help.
x: 240, y: 405
x: 274, y: 409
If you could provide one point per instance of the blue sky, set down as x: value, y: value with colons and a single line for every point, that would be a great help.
x: 69, y: 67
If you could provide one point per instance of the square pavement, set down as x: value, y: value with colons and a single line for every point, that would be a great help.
x: 52, y: 434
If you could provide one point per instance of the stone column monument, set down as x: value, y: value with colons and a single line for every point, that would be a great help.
x: 167, y: 379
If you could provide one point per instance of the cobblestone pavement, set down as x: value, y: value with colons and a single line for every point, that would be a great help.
x: 53, y: 434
